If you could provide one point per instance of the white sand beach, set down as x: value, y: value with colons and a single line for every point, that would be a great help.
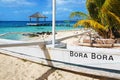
x: 12, y: 68
x: 76, y: 40
x: 60, y: 34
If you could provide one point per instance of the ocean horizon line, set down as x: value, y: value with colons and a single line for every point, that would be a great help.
x: 32, y: 21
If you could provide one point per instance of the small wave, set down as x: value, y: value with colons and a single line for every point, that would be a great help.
x: 8, y: 33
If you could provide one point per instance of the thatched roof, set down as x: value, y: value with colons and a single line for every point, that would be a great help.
x: 37, y: 15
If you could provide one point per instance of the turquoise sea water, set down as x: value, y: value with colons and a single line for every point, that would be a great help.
x: 21, y: 27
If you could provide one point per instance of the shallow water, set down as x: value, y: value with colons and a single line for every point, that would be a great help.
x: 21, y: 27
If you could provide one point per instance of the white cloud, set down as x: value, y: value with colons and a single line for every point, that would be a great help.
x: 68, y: 2
x: 68, y: 5
x: 14, y: 3
x: 21, y: 11
x: 7, y: 1
x: 60, y: 2
x: 64, y: 9
x: 46, y: 12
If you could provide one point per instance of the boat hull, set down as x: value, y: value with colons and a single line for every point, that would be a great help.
x: 75, y: 58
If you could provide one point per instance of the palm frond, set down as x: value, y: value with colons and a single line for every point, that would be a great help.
x: 94, y: 25
x: 112, y: 6
x: 114, y: 16
x: 99, y: 3
x: 79, y: 15
x: 93, y: 9
x: 110, y: 18
x: 90, y: 24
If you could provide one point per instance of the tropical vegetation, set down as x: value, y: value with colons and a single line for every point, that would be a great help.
x: 103, y: 16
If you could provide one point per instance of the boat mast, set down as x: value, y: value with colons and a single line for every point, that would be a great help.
x: 53, y: 21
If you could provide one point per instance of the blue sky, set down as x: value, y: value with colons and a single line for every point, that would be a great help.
x: 19, y: 10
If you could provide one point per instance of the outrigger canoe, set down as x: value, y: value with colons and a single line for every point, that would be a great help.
x: 96, y: 61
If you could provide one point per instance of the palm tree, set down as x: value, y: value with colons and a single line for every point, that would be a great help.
x: 103, y: 17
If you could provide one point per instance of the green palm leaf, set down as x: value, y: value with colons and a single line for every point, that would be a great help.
x: 78, y: 15
x: 90, y: 24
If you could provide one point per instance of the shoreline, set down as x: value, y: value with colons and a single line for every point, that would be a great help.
x: 49, y: 37
x: 60, y: 34
x: 22, y: 36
